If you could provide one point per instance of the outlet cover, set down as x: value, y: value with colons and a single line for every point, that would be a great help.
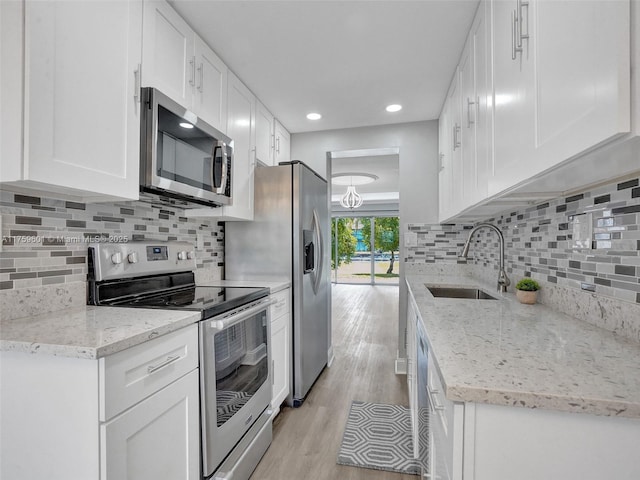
x: 410, y: 239
x: 582, y: 231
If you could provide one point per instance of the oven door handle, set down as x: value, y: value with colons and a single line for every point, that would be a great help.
x: 231, y: 320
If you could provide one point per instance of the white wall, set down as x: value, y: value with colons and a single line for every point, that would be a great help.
x: 418, y: 151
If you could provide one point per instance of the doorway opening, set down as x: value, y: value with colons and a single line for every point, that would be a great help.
x: 364, y: 250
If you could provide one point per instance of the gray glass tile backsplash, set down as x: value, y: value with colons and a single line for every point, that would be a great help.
x: 539, y: 242
x: 45, y: 240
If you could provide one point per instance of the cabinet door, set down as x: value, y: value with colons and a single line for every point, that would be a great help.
x: 484, y: 114
x: 280, y: 354
x: 168, y: 53
x: 11, y: 52
x: 455, y: 115
x: 283, y: 144
x: 157, y: 438
x: 582, y: 84
x: 82, y: 124
x: 446, y: 151
x: 264, y: 135
x: 210, y: 101
x: 467, y: 87
x: 513, y: 99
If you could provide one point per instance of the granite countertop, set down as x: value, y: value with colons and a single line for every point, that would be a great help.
x: 90, y: 332
x: 505, y: 353
x: 274, y: 286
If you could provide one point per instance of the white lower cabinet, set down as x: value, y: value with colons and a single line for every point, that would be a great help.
x: 157, y: 438
x: 477, y: 441
x: 280, y: 347
x: 131, y: 415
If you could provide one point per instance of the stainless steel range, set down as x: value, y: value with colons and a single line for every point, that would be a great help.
x: 235, y: 378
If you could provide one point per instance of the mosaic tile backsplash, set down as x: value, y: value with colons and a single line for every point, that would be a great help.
x: 44, y: 240
x: 540, y: 243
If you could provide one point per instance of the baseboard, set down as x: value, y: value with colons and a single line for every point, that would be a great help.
x: 401, y: 366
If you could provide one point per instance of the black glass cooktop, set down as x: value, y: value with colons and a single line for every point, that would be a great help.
x: 211, y: 301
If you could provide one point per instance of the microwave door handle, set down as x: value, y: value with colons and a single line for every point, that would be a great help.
x: 215, y: 180
x: 225, y: 167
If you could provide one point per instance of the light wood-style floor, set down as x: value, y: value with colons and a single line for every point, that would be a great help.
x: 306, y: 440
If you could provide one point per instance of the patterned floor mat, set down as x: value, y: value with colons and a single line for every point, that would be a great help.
x: 378, y: 436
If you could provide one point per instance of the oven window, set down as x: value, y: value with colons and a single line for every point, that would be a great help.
x: 241, y: 364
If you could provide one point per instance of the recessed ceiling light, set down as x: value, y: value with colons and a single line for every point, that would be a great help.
x: 394, y: 108
x: 314, y: 116
x: 185, y: 125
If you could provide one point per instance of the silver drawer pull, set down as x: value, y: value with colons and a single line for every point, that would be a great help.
x: 167, y: 361
x: 432, y: 395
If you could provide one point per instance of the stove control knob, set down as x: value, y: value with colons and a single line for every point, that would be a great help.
x: 182, y: 255
x: 132, y: 257
x: 116, y: 258
x: 191, y: 255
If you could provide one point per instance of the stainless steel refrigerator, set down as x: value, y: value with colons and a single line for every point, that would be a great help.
x: 287, y: 241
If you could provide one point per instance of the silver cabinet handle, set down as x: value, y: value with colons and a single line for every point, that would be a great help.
x: 167, y: 361
x: 278, y: 145
x: 441, y: 158
x: 192, y: 80
x: 514, y: 48
x: 432, y: 395
x: 201, y: 77
x: 469, y: 121
x: 456, y: 141
x: 519, y: 17
x: 136, y: 83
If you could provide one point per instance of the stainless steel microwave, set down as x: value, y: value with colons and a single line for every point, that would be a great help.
x: 181, y: 156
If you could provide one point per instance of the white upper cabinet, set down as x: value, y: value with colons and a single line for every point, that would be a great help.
x: 11, y: 51
x: 264, y: 135
x: 445, y: 176
x: 81, y: 100
x: 513, y: 85
x: 282, y: 143
x: 179, y: 64
x: 210, y: 100
x: 582, y: 81
x: 467, y: 131
x: 241, y: 121
x: 561, y: 77
x: 483, y: 120
x: 542, y: 85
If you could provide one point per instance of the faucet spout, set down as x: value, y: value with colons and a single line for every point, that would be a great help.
x: 503, y: 279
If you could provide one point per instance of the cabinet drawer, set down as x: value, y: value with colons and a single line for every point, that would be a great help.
x: 282, y: 303
x: 129, y: 376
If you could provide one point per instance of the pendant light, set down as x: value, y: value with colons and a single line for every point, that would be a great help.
x: 351, y: 199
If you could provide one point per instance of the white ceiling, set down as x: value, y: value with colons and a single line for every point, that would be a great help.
x: 385, y: 167
x: 344, y: 59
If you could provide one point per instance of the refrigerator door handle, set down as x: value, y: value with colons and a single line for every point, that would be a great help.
x: 318, y: 251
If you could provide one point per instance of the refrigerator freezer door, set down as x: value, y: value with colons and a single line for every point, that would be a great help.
x: 311, y: 291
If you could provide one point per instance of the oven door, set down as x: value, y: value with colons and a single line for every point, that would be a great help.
x: 235, y: 360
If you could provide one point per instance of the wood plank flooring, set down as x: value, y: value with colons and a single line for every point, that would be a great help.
x: 306, y: 440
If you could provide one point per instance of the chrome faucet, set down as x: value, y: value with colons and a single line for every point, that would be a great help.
x: 503, y: 280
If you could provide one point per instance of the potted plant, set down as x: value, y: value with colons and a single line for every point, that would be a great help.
x: 527, y: 291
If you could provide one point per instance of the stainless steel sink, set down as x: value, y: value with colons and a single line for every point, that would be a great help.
x: 460, y: 292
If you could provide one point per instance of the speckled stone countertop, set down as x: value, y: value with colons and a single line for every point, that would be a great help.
x: 504, y: 353
x: 88, y: 331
